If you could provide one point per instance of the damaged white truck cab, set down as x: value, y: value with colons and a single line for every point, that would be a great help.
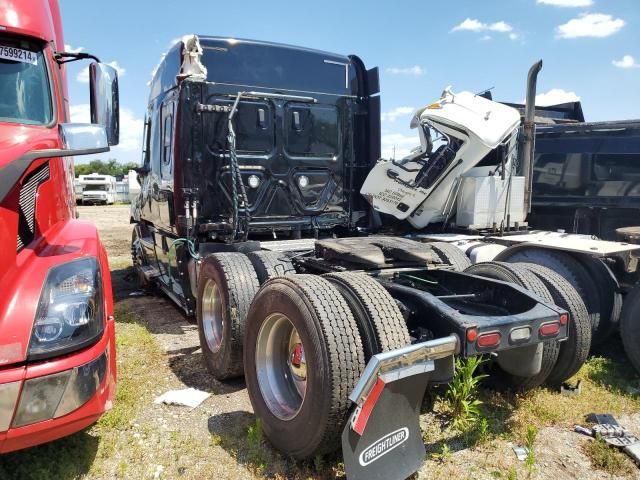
x: 462, y: 136
x: 469, y: 184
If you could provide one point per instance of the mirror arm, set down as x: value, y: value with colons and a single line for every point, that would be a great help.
x: 67, y: 57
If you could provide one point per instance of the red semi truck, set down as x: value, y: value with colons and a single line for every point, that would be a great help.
x: 57, y: 335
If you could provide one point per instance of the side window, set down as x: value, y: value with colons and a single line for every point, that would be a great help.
x: 146, y: 138
x: 155, y: 141
x: 167, y: 134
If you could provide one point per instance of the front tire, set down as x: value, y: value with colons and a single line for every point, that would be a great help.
x: 138, y: 258
x: 226, y: 286
x: 303, y: 356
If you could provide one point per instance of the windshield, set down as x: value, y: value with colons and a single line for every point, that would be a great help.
x: 93, y: 188
x: 24, y: 84
x: 434, y: 155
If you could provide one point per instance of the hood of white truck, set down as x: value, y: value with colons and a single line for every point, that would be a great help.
x: 473, y: 127
x: 490, y: 122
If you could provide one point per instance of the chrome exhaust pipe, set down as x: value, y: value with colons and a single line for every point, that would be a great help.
x: 527, y: 145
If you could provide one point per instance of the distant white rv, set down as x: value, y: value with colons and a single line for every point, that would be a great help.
x: 134, y: 186
x: 97, y: 189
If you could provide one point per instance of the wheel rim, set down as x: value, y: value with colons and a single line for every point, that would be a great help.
x: 212, y: 323
x: 281, y: 366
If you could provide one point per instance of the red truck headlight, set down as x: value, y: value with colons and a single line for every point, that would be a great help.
x: 70, y: 313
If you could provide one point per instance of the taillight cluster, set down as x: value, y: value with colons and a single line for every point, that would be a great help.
x: 484, y: 341
x: 490, y: 340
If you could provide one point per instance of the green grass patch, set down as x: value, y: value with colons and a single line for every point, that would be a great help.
x: 462, y: 393
x: 83, y: 454
x: 608, y: 459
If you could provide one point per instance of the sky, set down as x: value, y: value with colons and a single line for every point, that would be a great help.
x: 590, y: 49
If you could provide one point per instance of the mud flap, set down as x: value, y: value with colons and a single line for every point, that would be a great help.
x: 391, y: 445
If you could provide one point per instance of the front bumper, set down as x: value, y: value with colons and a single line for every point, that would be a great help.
x: 79, y: 388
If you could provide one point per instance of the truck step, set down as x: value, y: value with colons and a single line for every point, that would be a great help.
x: 149, y: 272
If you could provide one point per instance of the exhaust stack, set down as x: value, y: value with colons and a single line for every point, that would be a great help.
x: 527, y: 145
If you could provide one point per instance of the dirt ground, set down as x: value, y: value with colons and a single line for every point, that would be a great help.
x: 218, y: 438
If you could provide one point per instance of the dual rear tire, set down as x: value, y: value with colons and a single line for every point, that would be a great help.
x: 560, y: 361
x: 302, y: 342
x: 227, y: 284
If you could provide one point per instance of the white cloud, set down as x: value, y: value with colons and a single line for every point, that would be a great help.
x: 68, y: 48
x: 626, y: 62
x: 393, y: 115
x: 474, y: 25
x: 130, y: 145
x: 83, y: 75
x: 596, y: 25
x: 415, y: 70
x: 555, y: 96
x: 397, y: 145
x: 500, y: 27
x: 566, y: 3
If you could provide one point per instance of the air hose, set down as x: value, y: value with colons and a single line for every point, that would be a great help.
x: 236, y: 177
x: 191, y: 248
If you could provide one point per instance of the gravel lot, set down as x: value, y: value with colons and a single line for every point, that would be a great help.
x: 219, y: 439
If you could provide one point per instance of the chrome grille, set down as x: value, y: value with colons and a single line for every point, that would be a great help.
x: 27, y: 205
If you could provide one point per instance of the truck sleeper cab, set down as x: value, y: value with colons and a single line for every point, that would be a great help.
x: 250, y: 217
x: 57, y: 339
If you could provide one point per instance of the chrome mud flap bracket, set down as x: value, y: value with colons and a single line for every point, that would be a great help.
x: 382, y: 439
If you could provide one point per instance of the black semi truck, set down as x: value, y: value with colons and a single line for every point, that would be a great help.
x: 587, y: 177
x: 250, y: 218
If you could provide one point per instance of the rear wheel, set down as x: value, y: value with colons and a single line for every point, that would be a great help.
x: 269, y: 264
x: 610, y: 296
x: 630, y: 326
x: 451, y: 255
x: 575, y: 350
x: 303, y: 357
x: 226, y: 286
x: 522, y: 277
x: 380, y: 322
x: 571, y: 270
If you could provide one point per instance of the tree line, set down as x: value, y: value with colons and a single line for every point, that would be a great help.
x: 110, y: 167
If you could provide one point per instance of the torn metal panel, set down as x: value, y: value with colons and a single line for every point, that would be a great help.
x: 192, y: 66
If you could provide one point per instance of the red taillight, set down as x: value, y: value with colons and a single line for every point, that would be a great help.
x: 564, y: 318
x: 472, y: 334
x: 549, y: 329
x: 488, y: 340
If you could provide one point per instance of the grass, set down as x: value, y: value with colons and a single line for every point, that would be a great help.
x: 608, y: 459
x: 603, y: 391
x: 462, y: 392
x: 83, y: 454
x: 530, y: 441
